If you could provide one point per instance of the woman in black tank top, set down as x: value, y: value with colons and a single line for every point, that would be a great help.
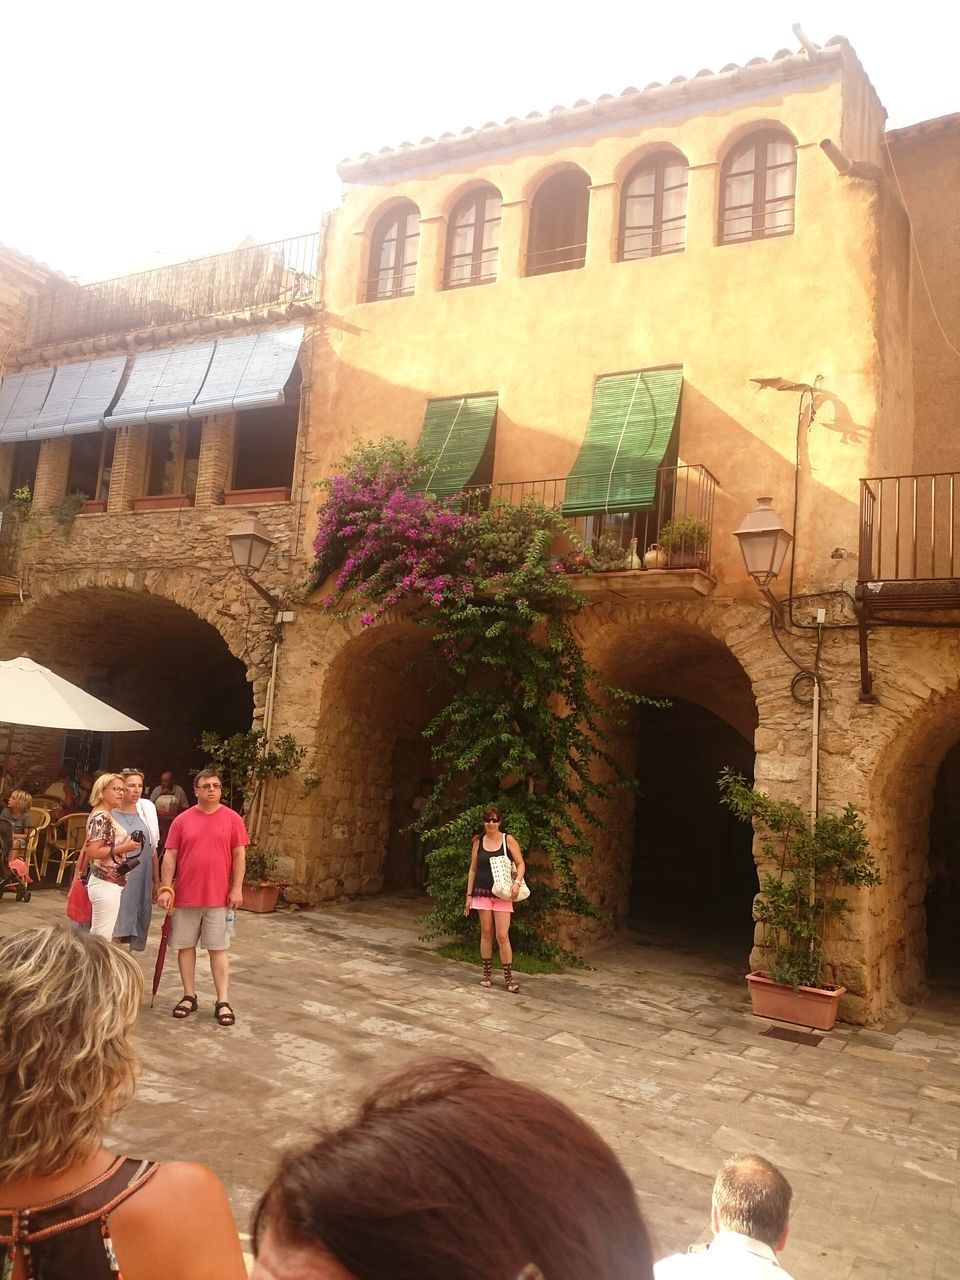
x: 494, y: 913
x: 70, y: 1209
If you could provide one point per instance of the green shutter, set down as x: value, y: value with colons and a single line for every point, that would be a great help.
x: 454, y: 436
x: 630, y: 426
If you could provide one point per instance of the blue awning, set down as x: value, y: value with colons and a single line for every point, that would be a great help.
x: 248, y: 371
x: 162, y: 385
x: 21, y: 399
x: 79, y: 398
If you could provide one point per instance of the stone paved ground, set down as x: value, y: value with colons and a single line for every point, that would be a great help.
x: 668, y: 1064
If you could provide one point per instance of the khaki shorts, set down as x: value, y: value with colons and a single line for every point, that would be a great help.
x: 206, y: 925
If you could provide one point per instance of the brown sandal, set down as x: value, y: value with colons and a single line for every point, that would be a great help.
x: 183, y: 1008
x: 487, y: 979
x: 224, y: 1014
x: 508, y: 982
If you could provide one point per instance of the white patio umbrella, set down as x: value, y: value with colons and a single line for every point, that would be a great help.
x: 34, y: 695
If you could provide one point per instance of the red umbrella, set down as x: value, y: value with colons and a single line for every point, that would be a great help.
x: 161, y: 954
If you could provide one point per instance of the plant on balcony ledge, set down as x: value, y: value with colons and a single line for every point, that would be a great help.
x: 19, y: 503
x: 525, y: 717
x: 685, y: 538
x: 797, y: 901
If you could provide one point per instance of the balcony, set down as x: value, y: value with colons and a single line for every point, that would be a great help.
x: 909, y: 544
x: 279, y: 275
x: 666, y: 544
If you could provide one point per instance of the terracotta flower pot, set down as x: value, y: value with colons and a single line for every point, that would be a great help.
x: 261, y: 897
x: 804, y: 1006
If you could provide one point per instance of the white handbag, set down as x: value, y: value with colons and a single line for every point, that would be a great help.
x: 502, y: 868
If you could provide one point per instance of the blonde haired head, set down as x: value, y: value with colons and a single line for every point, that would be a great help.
x: 21, y: 800
x: 101, y: 784
x: 68, y: 1003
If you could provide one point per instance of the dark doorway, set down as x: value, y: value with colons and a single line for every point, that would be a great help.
x: 943, y: 880
x: 694, y: 876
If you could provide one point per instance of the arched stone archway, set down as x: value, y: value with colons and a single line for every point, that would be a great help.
x: 914, y: 762
x: 154, y: 659
x: 668, y: 855
x: 377, y: 698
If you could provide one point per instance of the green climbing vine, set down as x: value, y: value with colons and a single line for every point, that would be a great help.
x: 525, y: 719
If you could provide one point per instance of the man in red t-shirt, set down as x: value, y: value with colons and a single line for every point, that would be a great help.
x: 207, y: 848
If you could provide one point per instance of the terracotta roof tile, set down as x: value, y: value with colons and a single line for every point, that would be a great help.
x: 783, y: 65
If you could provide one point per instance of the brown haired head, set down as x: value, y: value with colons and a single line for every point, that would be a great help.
x: 449, y: 1172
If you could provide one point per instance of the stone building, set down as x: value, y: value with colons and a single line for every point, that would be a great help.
x: 648, y: 309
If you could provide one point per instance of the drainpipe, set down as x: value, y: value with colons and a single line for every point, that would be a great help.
x: 267, y: 726
x: 815, y: 754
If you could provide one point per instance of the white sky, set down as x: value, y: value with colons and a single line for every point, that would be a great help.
x: 139, y: 134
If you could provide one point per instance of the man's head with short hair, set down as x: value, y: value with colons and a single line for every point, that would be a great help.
x: 752, y: 1197
x: 166, y: 780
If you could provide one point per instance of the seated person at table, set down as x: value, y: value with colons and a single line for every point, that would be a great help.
x: 17, y: 812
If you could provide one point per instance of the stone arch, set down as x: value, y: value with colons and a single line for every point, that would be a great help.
x: 900, y: 803
x: 376, y: 701
x: 151, y: 644
x: 659, y: 848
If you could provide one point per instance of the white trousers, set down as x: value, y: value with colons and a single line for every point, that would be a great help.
x: 105, y: 900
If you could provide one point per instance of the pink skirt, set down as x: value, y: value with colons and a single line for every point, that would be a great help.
x: 492, y: 904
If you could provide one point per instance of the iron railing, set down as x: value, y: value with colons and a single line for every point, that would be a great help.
x: 263, y: 275
x: 567, y: 257
x: 683, y: 500
x: 910, y: 528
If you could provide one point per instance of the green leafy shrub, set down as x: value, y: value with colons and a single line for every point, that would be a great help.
x: 813, y: 865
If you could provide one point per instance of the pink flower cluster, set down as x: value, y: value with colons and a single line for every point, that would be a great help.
x: 388, y: 544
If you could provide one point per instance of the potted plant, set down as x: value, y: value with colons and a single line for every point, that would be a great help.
x: 800, y: 895
x: 261, y: 887
x: 685, y: 539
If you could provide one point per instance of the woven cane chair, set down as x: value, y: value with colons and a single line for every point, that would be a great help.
x: 65, y: 845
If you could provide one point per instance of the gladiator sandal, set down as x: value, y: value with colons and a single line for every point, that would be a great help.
x: 487, y: 979
x: 508, y: 981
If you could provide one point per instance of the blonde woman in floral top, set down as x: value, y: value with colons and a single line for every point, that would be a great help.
x: 105, y: 853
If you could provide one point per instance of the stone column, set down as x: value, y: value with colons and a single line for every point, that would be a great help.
x: 215, y: 466
x: 129, y: 468
x: 52, y: 470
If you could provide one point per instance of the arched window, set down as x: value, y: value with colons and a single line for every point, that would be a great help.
x: 759, y: 179
x: 393, y: 254
x: 473, y: 239
x: 653, y: 211
x: 558, y: 224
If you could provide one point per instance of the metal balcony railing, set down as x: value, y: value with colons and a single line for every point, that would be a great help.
x: 263, y: 275
x: 683, y: 498
x: 566, y: 257
x: 910, y: 540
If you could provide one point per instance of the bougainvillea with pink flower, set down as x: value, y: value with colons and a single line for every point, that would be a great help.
x: 525, y: 717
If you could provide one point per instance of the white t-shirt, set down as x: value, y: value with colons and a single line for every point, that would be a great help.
x: 729, y: 1257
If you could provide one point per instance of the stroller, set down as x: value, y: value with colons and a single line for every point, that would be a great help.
x: 14, y: 877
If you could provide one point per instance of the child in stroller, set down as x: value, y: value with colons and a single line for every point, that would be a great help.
x: 15, y: 824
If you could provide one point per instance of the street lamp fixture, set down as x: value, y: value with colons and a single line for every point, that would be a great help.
x: 764, y: 542
x: 249, y: 543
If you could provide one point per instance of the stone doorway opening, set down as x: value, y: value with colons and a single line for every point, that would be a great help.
x: 942, y: 901
x: 154, y: 660
x: 671, y: 861
x: 378, y: 696
x: 693, y: 874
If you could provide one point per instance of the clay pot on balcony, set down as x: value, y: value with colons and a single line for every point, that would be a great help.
x: 655, y: 557
x: 94, y: 507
